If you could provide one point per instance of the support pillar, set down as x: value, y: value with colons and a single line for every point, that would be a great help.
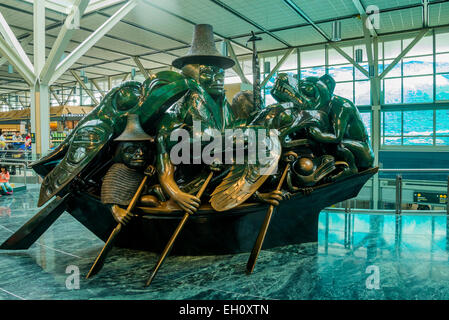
x: 40, y: 118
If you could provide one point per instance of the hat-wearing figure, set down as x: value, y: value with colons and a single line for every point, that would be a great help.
x: 132, y: 159
x: 206, y: 103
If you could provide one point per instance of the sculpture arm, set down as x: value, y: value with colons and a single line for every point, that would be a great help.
x: 339, y: 125
x: 166, y: 170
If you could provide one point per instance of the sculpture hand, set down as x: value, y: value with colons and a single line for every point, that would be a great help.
x: 189, y: 203
x: 150, y: 170
x: 120, y: 215
x: 273, y: 197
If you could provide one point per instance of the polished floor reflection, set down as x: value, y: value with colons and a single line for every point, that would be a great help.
x: 358, y: 256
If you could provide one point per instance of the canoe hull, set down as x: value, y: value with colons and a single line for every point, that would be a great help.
x: 211, y: 233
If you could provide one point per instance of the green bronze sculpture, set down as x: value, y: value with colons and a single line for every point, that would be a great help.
x: 315, y: 152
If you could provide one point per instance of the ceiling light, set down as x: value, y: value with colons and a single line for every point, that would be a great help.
x: 336, y: 31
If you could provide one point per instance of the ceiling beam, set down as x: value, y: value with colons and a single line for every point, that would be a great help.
x: 224, y: 6
x: 14, y: 58
x: 55, y: 96
x: 11, y: 39
x: 63, y: 39
x: 142, y: 69
x: 95, y: 83
x: 236, y: 67
x: 276, y: 67
x: 404, y: 52
x: 192, y: 23
x: 64, y: 65
x: 88, y: 91
x: 303, y: 15
x: 364, y: 17
x: 69, y: 96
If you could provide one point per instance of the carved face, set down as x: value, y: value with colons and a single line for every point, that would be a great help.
x: 243, y: 106
x: 211, y: 79
x: 310, y: 93
x: 134, y: 154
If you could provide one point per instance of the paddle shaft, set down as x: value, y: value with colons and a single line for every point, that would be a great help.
x: 263, y: 230
x: 176, y: 233
x: 99, y: 261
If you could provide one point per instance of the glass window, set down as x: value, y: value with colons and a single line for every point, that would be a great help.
x: 442, y: 42
x: 366, y: 118
x: 442, y: 141
x: 418, y: 89
x: 290, y: 63
x: 393, y: 91
x: 336, y: 58
x: 442, y: 63
x: 312, y: 58
x: 231, y: 80
x: 418, y: 66
x: 418, y: 140
x: 358, y: 75
x: 392, y: 49
x: 442, y: 122
x: 442, y: 86
x: 425, y: 127
x: 268, y: 98
x: 424, y: 46
x: 345, y: 90
x: 392, y: 123
x: 342, y: 72
x: 362, y: 93
x: 392, y: 141
x: 269, y: 62
x: 312, y: 72
x: 395, y: 72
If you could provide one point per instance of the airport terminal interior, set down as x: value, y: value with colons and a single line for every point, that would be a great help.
x: 358, y: 204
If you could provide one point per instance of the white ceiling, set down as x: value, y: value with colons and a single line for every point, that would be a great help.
x: 160, y: 31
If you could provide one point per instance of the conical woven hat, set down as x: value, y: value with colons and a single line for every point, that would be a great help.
x: 133, y: 130
x: 203, y: 50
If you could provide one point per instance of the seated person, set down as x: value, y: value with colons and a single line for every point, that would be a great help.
x: 4, y: 181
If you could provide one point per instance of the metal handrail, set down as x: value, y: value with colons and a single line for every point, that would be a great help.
x: 18, y: 164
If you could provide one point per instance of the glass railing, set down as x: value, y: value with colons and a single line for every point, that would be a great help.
x: 402, y: 191
x: 18, y: 163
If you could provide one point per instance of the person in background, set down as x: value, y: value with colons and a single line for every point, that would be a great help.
x: 4, y: 181
x: 28, y: 141
x: 2, y: 141
x: 17, y: 136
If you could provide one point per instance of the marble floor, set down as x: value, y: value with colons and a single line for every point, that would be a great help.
x: 358, y: 256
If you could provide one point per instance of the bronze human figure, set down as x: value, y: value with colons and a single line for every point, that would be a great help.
x: 114, y: 178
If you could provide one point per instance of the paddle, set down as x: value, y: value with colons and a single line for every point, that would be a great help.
x: 99, y: 262
x: 176, y: 233
x: 289, y: 158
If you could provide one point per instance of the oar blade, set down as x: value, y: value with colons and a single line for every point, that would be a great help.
x: 99, y: 262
